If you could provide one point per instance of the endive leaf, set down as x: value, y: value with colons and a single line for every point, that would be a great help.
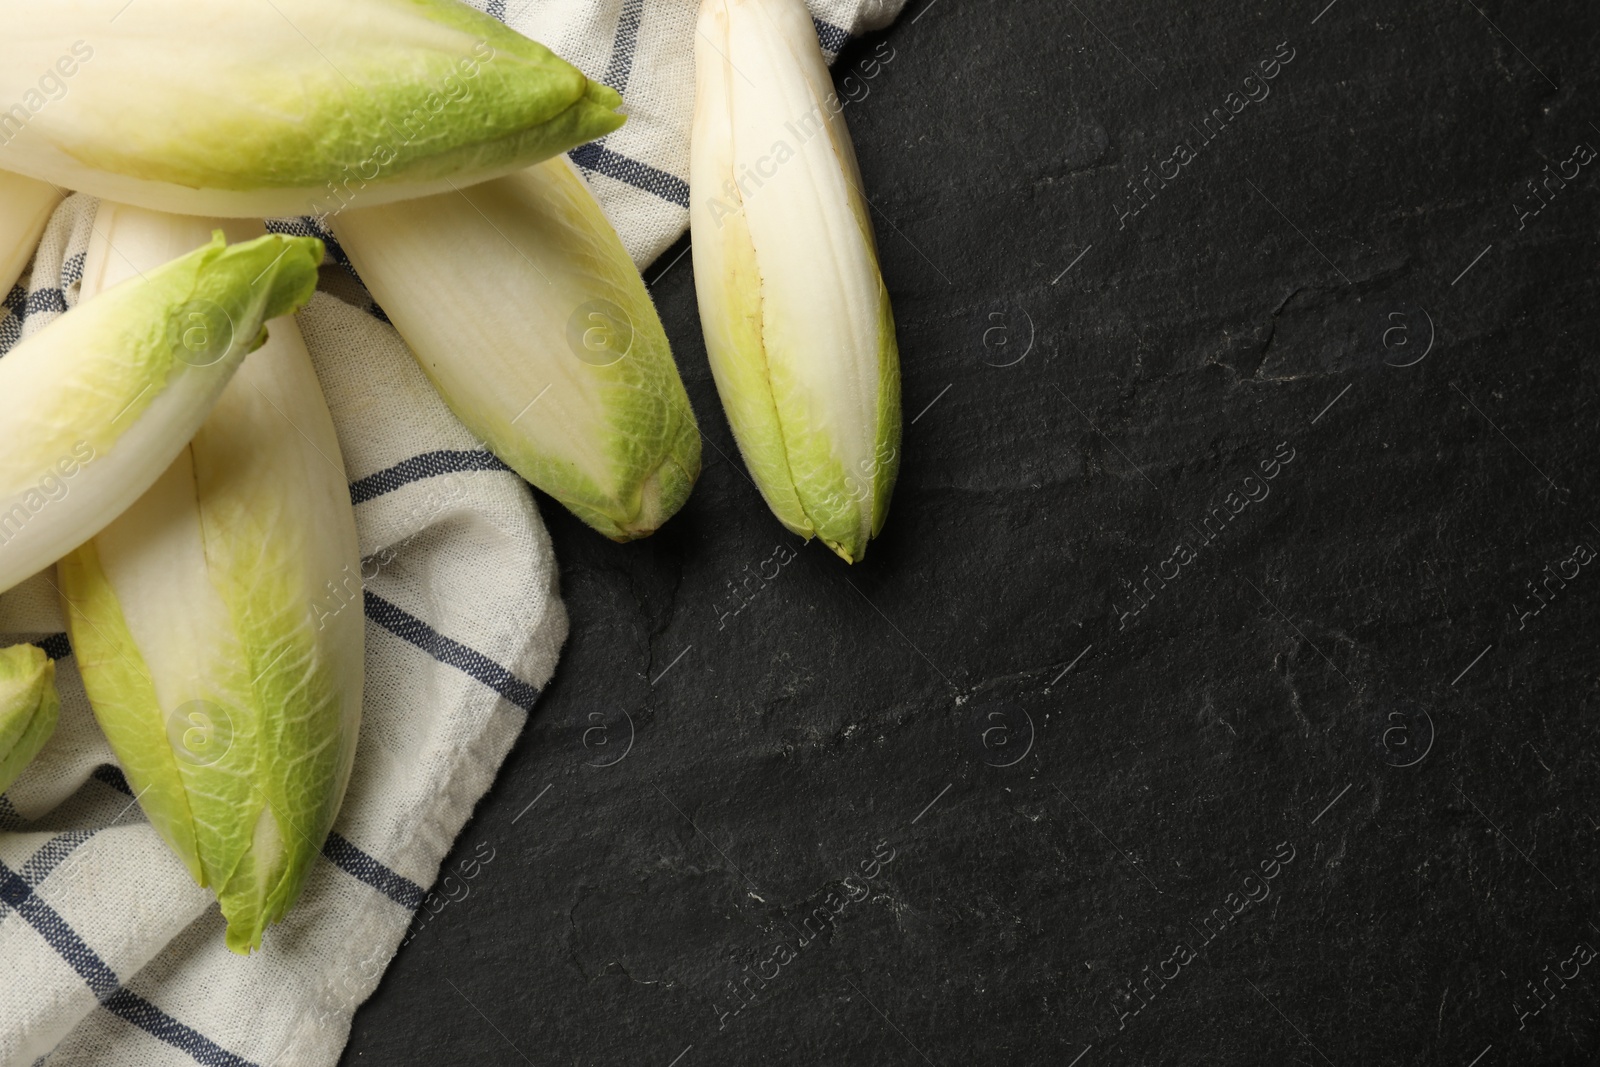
x: 25, y: 207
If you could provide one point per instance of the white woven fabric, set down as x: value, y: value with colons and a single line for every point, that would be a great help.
x: 109, y: 954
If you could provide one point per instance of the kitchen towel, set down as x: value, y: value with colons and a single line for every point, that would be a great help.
x: 109, y: 953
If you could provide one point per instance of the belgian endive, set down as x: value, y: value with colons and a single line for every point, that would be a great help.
x: 217, y: 622
x: 25, y: 207
x: 282, y: 107
x: 98, y: 403
x: 29, y: 707
x: 521, y: 304
x: 796, y: 317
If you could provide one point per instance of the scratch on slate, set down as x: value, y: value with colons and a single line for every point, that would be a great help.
x: 1540, y: 758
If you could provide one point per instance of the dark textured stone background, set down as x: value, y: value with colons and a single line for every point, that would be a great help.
x: 1295, y: 664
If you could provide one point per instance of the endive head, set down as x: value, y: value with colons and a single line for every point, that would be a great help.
x: 29, y: 707
x: 99, y: 402
x: 291, y: 107
x: 796, y: 316
x: 523, y: 307
x: 217, y: 622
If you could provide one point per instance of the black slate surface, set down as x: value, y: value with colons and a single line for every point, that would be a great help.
x: 1349, y: 688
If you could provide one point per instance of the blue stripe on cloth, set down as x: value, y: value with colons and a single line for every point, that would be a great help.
x: 306, y: 227
x: 101, y: 979
x: 72, y: 269
x: 339, y: 851
x: 19, y: 304
x: 45, y: 300
x: 831, y: 37
x: 10, y: 320
x: 130, y: 1006
x: 112, y: 776
x: 622, y: 48
x: 51, y: 853
x: 10, y: 818
x: 356, y: 863
x: 497, y: 8
x: 602, y: 160
x: 415, y: 469
x: 53, y: 928
x: 410, y: 628
x: 56, y: 646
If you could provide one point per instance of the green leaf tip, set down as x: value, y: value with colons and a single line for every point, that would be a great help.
x: 29, y: 708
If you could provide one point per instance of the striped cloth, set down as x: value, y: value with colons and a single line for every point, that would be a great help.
x: 109, y: 953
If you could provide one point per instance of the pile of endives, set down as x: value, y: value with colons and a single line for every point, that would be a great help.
x: 166, y: 447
